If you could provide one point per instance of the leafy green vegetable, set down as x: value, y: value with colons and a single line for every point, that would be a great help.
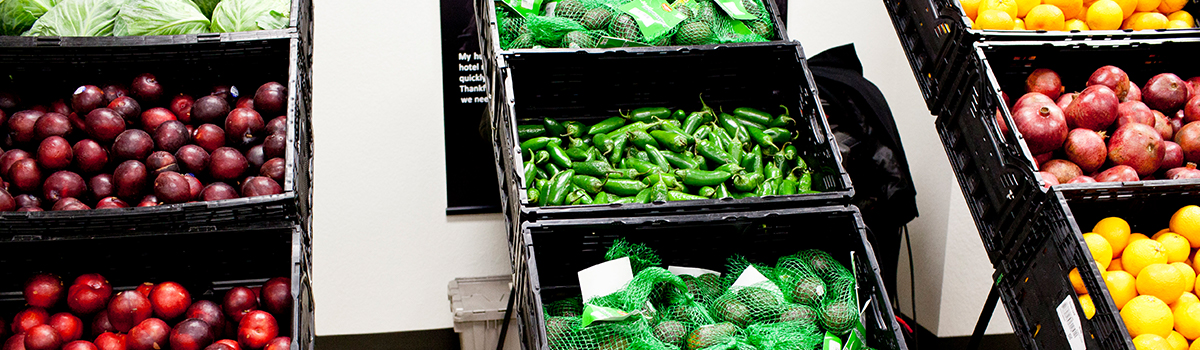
x: 246, y: 15
x: 207, y: 6
x: 18, y: 15
x: 78, y: 18
x: 160, y: 17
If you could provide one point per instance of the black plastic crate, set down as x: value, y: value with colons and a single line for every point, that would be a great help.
x: 592, y: 87
x: 996, y: 170
x: 207, y: 264
x: 936, y: 37
x: 52, y: 72
x: 1036, y: 280
x: 494, y: 57
x: 553, y: 251
x: 300, y: 24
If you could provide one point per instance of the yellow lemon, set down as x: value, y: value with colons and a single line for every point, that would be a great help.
x: 1181, y: 16
x: 1142, y: 253
x: 1114, y: 230
x: 1147, y: 5
x: 1184, y: 299
x: 1018, y: 24
x: 1163, y: 281
x: 1101, y: 251
x: 1187, y: 321
x: 1177, y: 24
x: 1151, y: 342
x: 1121, y: 286
x: 1089, y: 309
x: 1135, y: 237
x: 1177, y: 341
x: 1186, y: 222
x: 1178, y: 248
x: 1128, y: 7
x: 1049, y: 18
x: 1146, y: 314
x: 1077, y: 281
x: 993, y: 19
x: 1008, y: 6
x: 970, y: 8
x: 1189, y: 275
x: 1023, y: 6
x: 1115, y: 265
x: 1169, y: 6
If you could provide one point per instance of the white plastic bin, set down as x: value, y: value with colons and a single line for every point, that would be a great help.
x: 478, y: 305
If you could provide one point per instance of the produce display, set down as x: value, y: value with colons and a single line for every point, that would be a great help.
x: 1113, y: 130
x: 116, y: 147
x: 140, y: 17
x: 659, y: 154
x: 1152, y: 280
x: 1068, y: 15
x: 616, y: 23
x: 150, y: 317
x: 804, y: 300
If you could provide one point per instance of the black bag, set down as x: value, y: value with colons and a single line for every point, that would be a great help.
x: 872, y: 154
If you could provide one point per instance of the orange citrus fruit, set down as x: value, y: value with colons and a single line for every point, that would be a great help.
x: 1186, y: 222
x: 1169, y: 6
x: 970, y: 8
x: 1147, y: 21
x: 1045, y: 17
x: 1077, y: 281
x: 1070, y: 8
x: 1181, y: 16
x: 1023, y: 6
x: 1163, y: 281
x: 1189, y: 275
x: 1113, y: 229
x: 1128, y: 7
x: 1142, y: 253
x: 1177, y: 247
x: 1101, y: 250
x: 1018, y: 24
x: 1177, y: 341
x: 1147, y: 5
x: 1151, y: 342
x: 993, y: 19
x: 1187, y: 321
x: 1008, y: 6
x: 1089, y: 309
x: 1177, y: 24
x: 1121, y: 286
x: 1115, y: 265
x: 1184, y: 299
x: 1146, y: 314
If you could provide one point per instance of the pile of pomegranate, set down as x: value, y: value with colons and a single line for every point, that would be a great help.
x: 142, y: 144
x: 1111, y: 131
x: 151, y: 317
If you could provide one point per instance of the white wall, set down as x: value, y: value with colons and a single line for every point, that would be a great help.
x: 384, y: 249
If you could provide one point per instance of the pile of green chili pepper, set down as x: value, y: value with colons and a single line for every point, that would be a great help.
x: 660, y: 154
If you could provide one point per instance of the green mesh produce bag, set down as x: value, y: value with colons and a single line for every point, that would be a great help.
x: 833, y: 298
x: 784, y: 335
x: 640, y: 256
x: 651, y: 296
x: 582, y: 23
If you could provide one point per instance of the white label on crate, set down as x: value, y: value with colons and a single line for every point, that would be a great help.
x: 751, y: 277
x: 690, y: 271
x: 1070, y: 323
x: 605, y: 278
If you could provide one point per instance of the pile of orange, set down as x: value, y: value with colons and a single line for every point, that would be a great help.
x: 1067, y: 15
x: 1152, y: 280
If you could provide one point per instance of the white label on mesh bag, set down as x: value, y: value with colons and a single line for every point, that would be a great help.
x: 751, y: 277
x: 690, y: 271
x: 605, y: 278
x: 1070, y: 323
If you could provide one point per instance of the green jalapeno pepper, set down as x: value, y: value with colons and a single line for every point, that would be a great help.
x: 559, y: 186
x: 558, y: 156
x: 641, y: 139
x: 624, y: 187
x: 674, y: 141
x: 657, y: 158
x: 553, y: 127
x: 606, y: 126
x: 707, y: 191
x: 678, y: 160
x: 713, y: 153
x: 649, y: 114
x: 597, y: 168
x: 680, y: 196
x: 722, y: 192
x: 747, y: 182
x: 588, y: 183
x: 696, y: 177
x: 525, y: 132
x: 787, y: 187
